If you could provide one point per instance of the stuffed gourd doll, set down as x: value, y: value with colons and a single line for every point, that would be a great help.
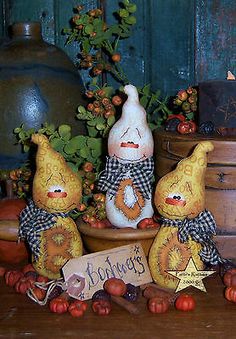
x: 187, y: 228
x: 129, y: 166
x: 52, y: 235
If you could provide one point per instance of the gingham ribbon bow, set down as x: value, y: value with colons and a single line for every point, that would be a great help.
x: 201, y: 229
x: 32, y: 221
x: 115, y: 171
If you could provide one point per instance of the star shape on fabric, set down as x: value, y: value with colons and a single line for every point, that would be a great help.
x: 191, y: 276
x: 228, y: 109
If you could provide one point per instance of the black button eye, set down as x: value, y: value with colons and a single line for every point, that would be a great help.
x: 57, y: 191
x: 177, y: 197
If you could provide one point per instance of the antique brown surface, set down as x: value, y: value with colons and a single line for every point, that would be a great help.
x: 220, y: 178
x: 214, y: 317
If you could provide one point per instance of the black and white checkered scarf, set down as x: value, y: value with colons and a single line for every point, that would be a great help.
x: 32, y: 221
x: 141, y: 174
x: 201, y: 229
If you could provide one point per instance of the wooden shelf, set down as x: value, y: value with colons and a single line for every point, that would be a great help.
x: 213, y: 318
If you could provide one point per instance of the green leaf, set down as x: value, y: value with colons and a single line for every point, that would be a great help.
x: 70, y: 148
x: 126, y: 3
x: 72, y: 166
x: 144, y: 101
x: 98, y: 24
x: 190, y: 115
x: 97, y: 41
x: 91, y: 123
x: 100, y: 127
x: 146, y: 89
x: 82, y: 109
x: 26, y: 148
x: 92, y: 132
x: 84, y: 152
x: 17, y: 130
x: 64, y: 130
x: 111, y: 120
x: 57, y: 144
x: 86, y: 45
x: 132, y: 8
x: 94, y: 142
x: 31, y: 131
x: 88, y: 29
x: 115, y: 29
x: 79, y: 140
x: 22, y: 135
x: 96, y: 152
x: 123, y: 13
x: 131, y: 20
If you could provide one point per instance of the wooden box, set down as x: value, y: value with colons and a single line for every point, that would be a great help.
x: 217, y: 103
x: 220, y: 178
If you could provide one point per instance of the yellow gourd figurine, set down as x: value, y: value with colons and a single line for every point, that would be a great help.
x: 52, y: 235
x: 187, y: 228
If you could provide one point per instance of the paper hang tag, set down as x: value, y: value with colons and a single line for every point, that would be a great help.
x: 85, y: 275
x: 75, y: 284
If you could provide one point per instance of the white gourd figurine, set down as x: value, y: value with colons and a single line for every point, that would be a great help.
x: 129, y: 168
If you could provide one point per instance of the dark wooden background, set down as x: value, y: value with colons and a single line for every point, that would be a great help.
x: 174, y: 43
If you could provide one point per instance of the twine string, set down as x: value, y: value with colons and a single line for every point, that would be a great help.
x: 48, y: 286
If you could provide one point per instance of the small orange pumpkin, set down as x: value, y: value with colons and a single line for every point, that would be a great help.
x: 11, y: 277
x: 22, y: 285
x: 59, y: 305
x: 230, y: 293
x: 229, y: 277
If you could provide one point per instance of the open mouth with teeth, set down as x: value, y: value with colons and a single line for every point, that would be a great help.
x: 129, y: 144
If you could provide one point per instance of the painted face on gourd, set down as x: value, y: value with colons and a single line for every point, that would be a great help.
x: 130, y: 139
x: 56, y: 188
x: 180, y: 194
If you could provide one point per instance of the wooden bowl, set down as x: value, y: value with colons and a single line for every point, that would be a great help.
x: 95, y: 239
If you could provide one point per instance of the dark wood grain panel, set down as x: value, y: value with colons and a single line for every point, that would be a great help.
x: 215, y: 50
x: 171, y: 30
x: 173, y: 45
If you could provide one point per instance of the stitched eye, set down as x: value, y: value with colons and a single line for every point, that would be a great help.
x: 56, y: 189
x: 176, y: 196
